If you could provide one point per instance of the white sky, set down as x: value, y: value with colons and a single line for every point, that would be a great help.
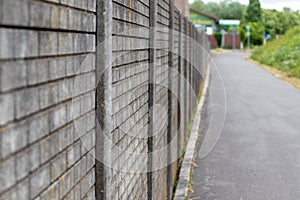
x: 268, y: 4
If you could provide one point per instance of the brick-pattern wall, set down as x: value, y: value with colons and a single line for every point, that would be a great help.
x: 42, y: 47
x: 161, y: 99
x: 49, y: 97
x: 232, y: 42
x: 130, y: 98
x: 213, y: 41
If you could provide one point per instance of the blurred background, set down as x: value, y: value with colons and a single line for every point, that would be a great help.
x: 270, y: 29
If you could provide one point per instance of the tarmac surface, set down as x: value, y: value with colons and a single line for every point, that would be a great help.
x: 257, y: 154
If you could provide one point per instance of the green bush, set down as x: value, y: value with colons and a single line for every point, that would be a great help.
x: 293, y: 32
x: 283, y: 54
x: 218, y: 37
x: 257, y: 33
x: 243, y: 35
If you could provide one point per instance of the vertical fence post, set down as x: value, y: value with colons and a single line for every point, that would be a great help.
x: 103, y: 99
x: 194, y: 61
x: 187, y: 72
x: 170, y: 100
x: 203, y: 50
x: 179, y: 106
x: 151, y: 92
x: 185, y: 79
x: 192, y: 68
x: 195, y: 57
x: 192, y: 56
x: 200, y: 55
x: 190, y: 72
x: 203, y: 54
x: 198, y: 59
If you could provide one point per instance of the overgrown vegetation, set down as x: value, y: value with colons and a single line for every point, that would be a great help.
x: 257, y: 33
x: 283, y: 54
x: 277, y: 23
x: 253, y: 12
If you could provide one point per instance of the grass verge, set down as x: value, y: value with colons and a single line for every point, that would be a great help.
x: 282, y: 54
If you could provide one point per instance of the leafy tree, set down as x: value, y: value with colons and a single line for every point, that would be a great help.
x: 231, y: 10
x: 257, y: 33
x: 199, y: 4
x: 243, y: 35
x: 270, y: 21
x: 253, y: 12
x: 277, y: 23
x: 226, y: 9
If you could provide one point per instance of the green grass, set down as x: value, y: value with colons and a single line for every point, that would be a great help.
x: 283, y: 54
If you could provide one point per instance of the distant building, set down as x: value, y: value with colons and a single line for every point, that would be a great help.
x: 203, y: 21
x: 183, y: 6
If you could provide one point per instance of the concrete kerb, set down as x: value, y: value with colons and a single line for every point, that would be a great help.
x: 181, y: 191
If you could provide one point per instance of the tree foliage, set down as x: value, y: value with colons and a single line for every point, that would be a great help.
x: 226, y: 9
x: 199, y: 4
x: 253, y: 12
x: 277, y: 23
x: 257, y: 33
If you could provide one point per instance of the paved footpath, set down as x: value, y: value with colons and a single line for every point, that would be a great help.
x: 257, y: 156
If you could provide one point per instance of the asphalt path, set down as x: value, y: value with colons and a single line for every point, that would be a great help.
x: 257, y: 155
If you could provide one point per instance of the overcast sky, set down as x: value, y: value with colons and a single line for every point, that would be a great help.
x: 269, y: 4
